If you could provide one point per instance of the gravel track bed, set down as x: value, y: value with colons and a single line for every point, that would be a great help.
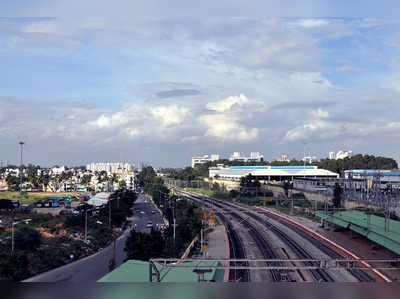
x: 337, y: 275
x: 252, y: 252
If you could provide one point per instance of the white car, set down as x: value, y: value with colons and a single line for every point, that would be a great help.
x: 149, y: 223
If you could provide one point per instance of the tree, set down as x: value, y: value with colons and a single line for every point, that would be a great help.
x: 27, y: 238
x: 337, y: 194
x: 142, y: 246
x: 286, y: 186
x: 146, y: 175
x: 122, y: 183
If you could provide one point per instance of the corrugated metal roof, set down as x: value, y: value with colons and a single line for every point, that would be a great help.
x: 376, y: 232
x: 138, y: 271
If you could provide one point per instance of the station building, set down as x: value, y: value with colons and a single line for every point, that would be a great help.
x: 270, y: 173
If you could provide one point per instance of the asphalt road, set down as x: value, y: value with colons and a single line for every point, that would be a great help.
x: 94, y: 267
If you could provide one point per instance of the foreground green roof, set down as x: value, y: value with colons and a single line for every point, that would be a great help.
x: 138, y: 271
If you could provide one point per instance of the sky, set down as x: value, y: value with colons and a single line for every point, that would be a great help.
x: 81, y: 90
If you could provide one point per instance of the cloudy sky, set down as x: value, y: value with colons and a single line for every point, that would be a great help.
x: 162, y: 90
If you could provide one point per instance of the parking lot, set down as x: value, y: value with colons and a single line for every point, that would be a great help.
x: 56, y: 210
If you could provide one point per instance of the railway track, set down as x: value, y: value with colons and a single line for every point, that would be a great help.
x: 359, y: 274
x: 266, y: 249
x: 236, y: 251
x: 318, y: 274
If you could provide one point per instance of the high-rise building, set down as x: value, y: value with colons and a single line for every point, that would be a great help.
x: 310, y: 159
x: 283, y: 158
x: 340, y: 154
x: 143, y: 165
x: 109, y: 167
x: 204, y: 159
x: 254, y: 157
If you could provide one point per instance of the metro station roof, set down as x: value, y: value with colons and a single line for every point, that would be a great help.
x: 357, y: 221
x: 138, y: 271
x: 272, y: 171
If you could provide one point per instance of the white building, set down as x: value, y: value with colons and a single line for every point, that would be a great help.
x: 282, y: 158
x: 143, y: 165
x: 109, y: 167
x: 340, y: 154
x: 270, y: 173
x: 130, y: 181
x: 58, y: 170
x: 310, y: 159
x: 254, y: 157
x: 204, y: 159
x: 12, y: 172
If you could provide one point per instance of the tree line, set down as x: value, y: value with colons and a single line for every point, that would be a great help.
x: 359, y: 161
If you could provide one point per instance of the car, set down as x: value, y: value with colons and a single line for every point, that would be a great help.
x: 64, y: 213
x: 153, y: 211
x: 25, y: 209
x: 39, y: 203
x: 142, y: 212
x: 149, y: 223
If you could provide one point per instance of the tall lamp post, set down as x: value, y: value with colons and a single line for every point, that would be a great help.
x: 304, y: 159
x: 20, y: 185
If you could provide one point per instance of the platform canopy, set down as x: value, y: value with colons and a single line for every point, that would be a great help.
x: 385, y: 234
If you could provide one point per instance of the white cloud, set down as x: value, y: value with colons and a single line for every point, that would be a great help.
x: 223, y: 127
x: 240, y: 102
x: 228, y: 123
x: 319, y: 113
x: 349, y: 68
x: 309, y: 23
x: 245, y: 42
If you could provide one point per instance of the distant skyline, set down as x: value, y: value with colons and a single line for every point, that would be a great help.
x: 163, y: 90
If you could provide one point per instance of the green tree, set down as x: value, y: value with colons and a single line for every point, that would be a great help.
x: 27, y: 238
x: 337, y: 195
x: 146, y: 175
x: 142, y: 246
x: 122, y: 183
x: 286, y: 186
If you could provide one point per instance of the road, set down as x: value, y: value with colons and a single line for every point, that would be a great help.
x: 94, y: 267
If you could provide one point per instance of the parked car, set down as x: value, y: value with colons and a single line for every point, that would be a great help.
x: 47, y: 203
x: 25, y: 209
x: 40, y: 203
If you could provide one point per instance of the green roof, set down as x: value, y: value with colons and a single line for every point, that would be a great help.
x: 138, y: 271
x: 357, y: 221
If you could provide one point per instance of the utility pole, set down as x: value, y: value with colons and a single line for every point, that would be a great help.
x: 109, y: 213
x: 304, y: 159
x: 20, y: 185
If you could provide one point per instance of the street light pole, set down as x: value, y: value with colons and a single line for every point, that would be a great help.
x: 12, y: 241
x: 109, y: 213
x: 86, y: 224
x: 12, y: 233
x: 304, y: 159
x: 20, y: 185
